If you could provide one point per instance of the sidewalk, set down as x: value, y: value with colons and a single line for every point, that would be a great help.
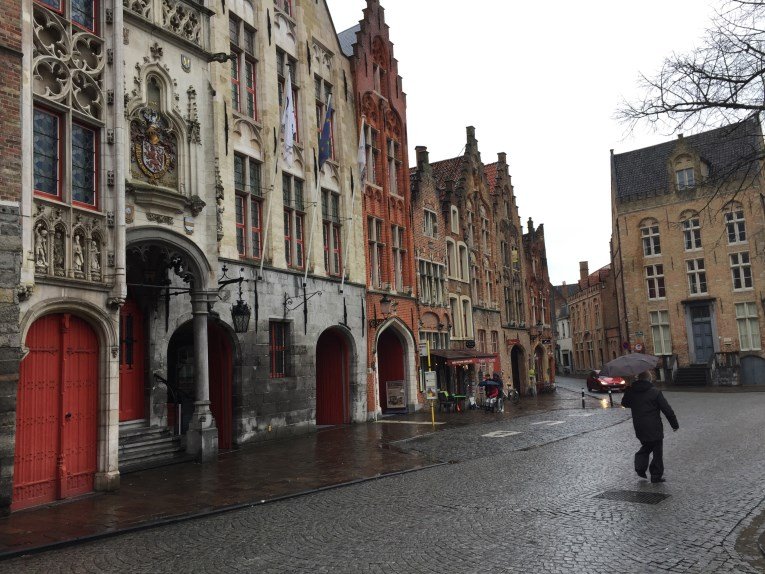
x: 251, y: 475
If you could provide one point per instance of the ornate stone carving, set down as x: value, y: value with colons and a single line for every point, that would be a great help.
x: 41, y: 247
x: 156, y: 51
x: 183, y: 20
x: 141, y: 7
x: 68, y: 63
x: 219, y: 197
x: 196, y: 205
x: 25, y: 291
x: 59, y: 251
x: 153, y: 142
x: 78, y: 257
x: 94, y: 253
x: 192, y: 120
x: 157, y: 218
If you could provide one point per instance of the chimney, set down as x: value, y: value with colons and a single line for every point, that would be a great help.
x: 422, y: 155
x: 584, y: 271
x: 471, y: 132
x: 502, y: 158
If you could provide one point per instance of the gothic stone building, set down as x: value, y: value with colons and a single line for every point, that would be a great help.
x: 179, y: 278
x: 686, y: 251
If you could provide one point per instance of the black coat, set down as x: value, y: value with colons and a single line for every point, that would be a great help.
x: 646, y: 401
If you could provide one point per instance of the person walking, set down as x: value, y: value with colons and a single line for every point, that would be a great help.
x: 646, y: 403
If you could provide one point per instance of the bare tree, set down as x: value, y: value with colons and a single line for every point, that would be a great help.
x: 717, y: 84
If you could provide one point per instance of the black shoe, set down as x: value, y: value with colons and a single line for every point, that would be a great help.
x: 641, y: 474
x: 659, y: 479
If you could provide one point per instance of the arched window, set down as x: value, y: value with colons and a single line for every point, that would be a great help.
x: 455, y: 219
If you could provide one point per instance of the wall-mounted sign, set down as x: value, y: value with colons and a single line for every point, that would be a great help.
x: 470, y: 344
x: 511, y: 342
x: 638, y: 333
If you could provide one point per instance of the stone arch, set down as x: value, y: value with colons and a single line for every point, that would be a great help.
x: 356, y: 388
x: 396, y: 326
x: 104, y: 325
x: 195, y: 259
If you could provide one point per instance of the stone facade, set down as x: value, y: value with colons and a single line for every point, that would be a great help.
x: 686, y: 220
x: 594, y: 319
x: 10, y: 236
x: 391, y: 306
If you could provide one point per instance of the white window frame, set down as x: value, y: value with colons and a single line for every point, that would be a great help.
x: 748, y: 323
x: 651, y: 239
x: 740, y: 267
x: 697, y: 276
x: 735, y: 224
x: 657, y: 279
x: 692, y: 234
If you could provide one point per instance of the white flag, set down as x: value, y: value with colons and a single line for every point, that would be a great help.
x: 288, y: 121
x: 362, y: 156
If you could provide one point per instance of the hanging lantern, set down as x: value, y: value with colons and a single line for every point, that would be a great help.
x: 240, y: 315
x: 385, y: 304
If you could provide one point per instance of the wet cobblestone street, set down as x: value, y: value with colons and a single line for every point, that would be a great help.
x: 519, y: 497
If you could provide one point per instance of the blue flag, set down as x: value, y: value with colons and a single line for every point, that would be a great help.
x: 325, y: 139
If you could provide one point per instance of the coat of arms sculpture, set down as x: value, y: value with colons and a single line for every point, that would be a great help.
x: 154, y: 149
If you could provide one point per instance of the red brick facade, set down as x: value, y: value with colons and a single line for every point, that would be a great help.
x: 381, y: 109
x: 10, y: 101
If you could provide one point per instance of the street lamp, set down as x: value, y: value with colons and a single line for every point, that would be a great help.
x: 385, y: 305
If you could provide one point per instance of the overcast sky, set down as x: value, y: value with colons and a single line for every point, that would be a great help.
x: 539, y: 80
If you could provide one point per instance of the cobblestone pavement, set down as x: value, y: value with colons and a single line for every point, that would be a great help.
x: 518, y: 503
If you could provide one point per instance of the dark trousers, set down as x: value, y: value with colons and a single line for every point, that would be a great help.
x: 657, y: 463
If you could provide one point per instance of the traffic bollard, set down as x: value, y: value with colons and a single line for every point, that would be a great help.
x: 582, y: 398
x: 610, y: 398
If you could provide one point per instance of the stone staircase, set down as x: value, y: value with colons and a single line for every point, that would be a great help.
x: 143, y: 447
x: 691, y: 376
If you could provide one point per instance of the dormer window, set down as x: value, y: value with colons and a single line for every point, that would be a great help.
x: 685, y: 178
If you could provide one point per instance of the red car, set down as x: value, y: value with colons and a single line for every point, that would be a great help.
x: 595, y: 382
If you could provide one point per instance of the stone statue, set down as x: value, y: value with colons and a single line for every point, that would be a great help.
x: 95, y: 256
x: 77, y: 258
x: 41, y: 246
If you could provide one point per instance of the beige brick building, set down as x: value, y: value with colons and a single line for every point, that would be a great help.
x: 687, y: 254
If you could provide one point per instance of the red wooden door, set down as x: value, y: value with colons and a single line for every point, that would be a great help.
x: 390, y: 363
x: 332, y: 380
x: 220, y: 359
x: 131, y: 362
x: 56, y: 412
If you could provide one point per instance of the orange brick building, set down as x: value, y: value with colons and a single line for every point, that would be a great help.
x: 687, y: 218
x: 391, y: 306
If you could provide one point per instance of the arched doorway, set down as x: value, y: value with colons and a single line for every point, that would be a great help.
x: 132, y: 361
x: 181, y: 382
x: 56, y: 412
x: 332, y: 380
x: 390, y: 365
x: 516, y: 360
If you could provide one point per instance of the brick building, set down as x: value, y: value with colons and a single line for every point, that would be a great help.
x: 594, y: 319
x: 10, y: 234
x: 687, y: 218
x: 564, y: 346
x: 539, y: 316
x: 391, y: 305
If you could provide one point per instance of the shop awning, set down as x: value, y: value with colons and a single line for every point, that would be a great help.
x: 464, y: 357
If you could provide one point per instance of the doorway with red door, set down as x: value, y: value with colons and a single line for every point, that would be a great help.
x: 56, y: 412
x: 332, y: 379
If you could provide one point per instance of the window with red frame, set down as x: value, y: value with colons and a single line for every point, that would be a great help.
x: 83, y: 13
x: 294, y: 219
x: 50, y: 178
x: 249, y: 198
x: 330, y: 211
x: 243, y: 67
x: 284, y: 63
x: 279, y: 348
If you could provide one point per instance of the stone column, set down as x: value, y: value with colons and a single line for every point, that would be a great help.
x: 202, y: 436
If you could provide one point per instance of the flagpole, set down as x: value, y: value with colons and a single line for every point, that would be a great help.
x: 317, y: 193
x: 349, y: 219
x: 268, y: 218
x: 313, y: 224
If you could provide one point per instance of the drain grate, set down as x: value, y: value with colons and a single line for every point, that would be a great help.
x: 633, y: 496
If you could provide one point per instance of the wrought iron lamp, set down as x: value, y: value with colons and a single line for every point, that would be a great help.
x: 240, y: 311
